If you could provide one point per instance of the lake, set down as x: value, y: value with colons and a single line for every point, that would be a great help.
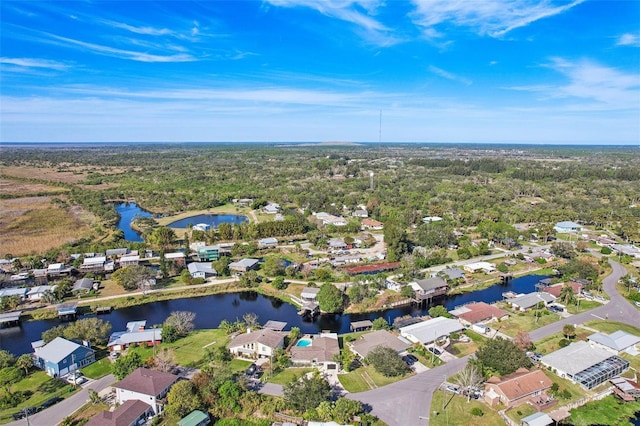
x: 210, y: 219
x: 211, y: 310
x: 127, y: 212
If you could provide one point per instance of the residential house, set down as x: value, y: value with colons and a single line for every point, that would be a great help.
x: 268, y: 242
x: 116, y: 253
x: 93, y: 264
x: 485, y: 267
x: 452, y: 274
x: 329, y: 219
x: 317, y: 350
x: 567, y: 227
x: 368, y: 342
x: 309, y: 294
x: 429, y: 331
x: 336, y: 244
x: 527, y: 301
x: 556, y: 289
x: 178, y: 257
x: 518, y: 388
x: 360, y: 213
x: 244, y: 265
x: 208, y: 253
x: 371, y: 224
x: 135, y: 334
x: 626, y: 250
x: 143, y: 384
x: 258, y: 343
x: 585, y: 364
x: 479, y: 312
x: 56, y: 269
x: 393, y: 285
x: 201, y: 270
x: 129, y: 260
x: 429, y: 288
x: 83, y: 285
x: 60, y: 357
x: 35, y: 293
x: 271, y: 208
x: 616, y: 342
x: 20, y: 292
x: 132, y: 413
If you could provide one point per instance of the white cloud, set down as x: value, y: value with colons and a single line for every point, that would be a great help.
x: 494, y: 18
x: 628, y: 40
x: 449, y: 76
x: 139, y: 30
x: 121, y: 53
x: 357, y: 12
x: 34, y: 63
x: 591, y: 86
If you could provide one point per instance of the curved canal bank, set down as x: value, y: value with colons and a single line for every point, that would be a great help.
x: 211, y: 309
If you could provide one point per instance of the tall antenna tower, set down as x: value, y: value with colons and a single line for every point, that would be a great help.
x: 380, y: 129
x: 371, y: 180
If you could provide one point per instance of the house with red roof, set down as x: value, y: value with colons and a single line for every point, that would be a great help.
x: 475, y: 313
x: 521, y: 387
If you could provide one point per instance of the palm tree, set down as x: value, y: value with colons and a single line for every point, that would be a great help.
x: 25, y: 362
x: 567, y: 295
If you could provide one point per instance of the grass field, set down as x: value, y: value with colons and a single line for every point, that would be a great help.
x: 43, y: 388
x: 289, y: 375
x: 365, y: 378
x: 457, y: 411
x: 551, y: 343
x: 19, y: 188
x: 526, y: 322
x: 32, y: 225
x: 606, y: 326
x: 518, y: 413
x: 585, y: 305
x: 609, y: 411
x: 98, y: 369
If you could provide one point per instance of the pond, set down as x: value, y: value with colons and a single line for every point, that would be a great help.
x: 128, y: 212
x: 211, y: 310
x: 214, y: 220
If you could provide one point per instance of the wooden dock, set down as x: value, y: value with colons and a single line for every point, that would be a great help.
x: 103, y: 310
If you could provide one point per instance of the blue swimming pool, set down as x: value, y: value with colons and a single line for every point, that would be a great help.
x: 304, y: 342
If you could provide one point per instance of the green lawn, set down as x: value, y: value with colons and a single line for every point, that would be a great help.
x: 518, y: 413
x: 606, y: 326
x: 98, y: 369
x: 526, y: 322
x: 609, y: 411
x: 576, y: 391
x: 585, y: 305
x: 359, y: 379
x: 551, y: 342
x: 289, y: 375
x: 449, y: 410
x: 43, y: 388
x: 353, y: 382
x: 239, y: 365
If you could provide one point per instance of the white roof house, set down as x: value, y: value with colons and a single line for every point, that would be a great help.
x: 243, y: 265
x: 585, y: 364
x: 201, y: 269
x: 428, y: 331
x: 619, y: 341
x: 175, y: 255
x: 266, y: 242
x: 13, y: 291
x: 480, y: 266
x: 98, y: 260
x: 527, y: 301
x: 35, y: 293
x: 567, y: 226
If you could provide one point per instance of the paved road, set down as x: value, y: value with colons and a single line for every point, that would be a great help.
x: 407, y: 402
x: 54, y: 414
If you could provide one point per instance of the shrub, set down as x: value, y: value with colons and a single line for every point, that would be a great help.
x: 565, y: 394
x: 475, y: 411
x: 606, y: 250
x: 564, y: 342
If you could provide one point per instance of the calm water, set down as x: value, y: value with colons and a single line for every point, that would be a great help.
x: 211, y: 310
x: 210, y: 219
x: 128, y: 211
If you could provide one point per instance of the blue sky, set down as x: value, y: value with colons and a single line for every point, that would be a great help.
x: 519, y: 71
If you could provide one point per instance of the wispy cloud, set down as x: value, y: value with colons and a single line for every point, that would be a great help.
x: 122, y: 53
x: 603, y: 88
x: 494, y: 18
x: 357, y: 12
x: 139, y: 29
x: 449, y: 76
x: 35, y: 63
x: 628, y: 40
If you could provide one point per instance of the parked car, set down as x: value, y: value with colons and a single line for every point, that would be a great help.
x: 452, y: 388
x: 408, y: 360
x: 75, y: 378
x: 49, y: 402
x: 412, y: 357
x: 556, y: 309
x: 434, y: 351
x: 24, y: 413
x: 252, y: 370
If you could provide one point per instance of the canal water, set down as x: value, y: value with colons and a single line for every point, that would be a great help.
x: 211, y: 310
